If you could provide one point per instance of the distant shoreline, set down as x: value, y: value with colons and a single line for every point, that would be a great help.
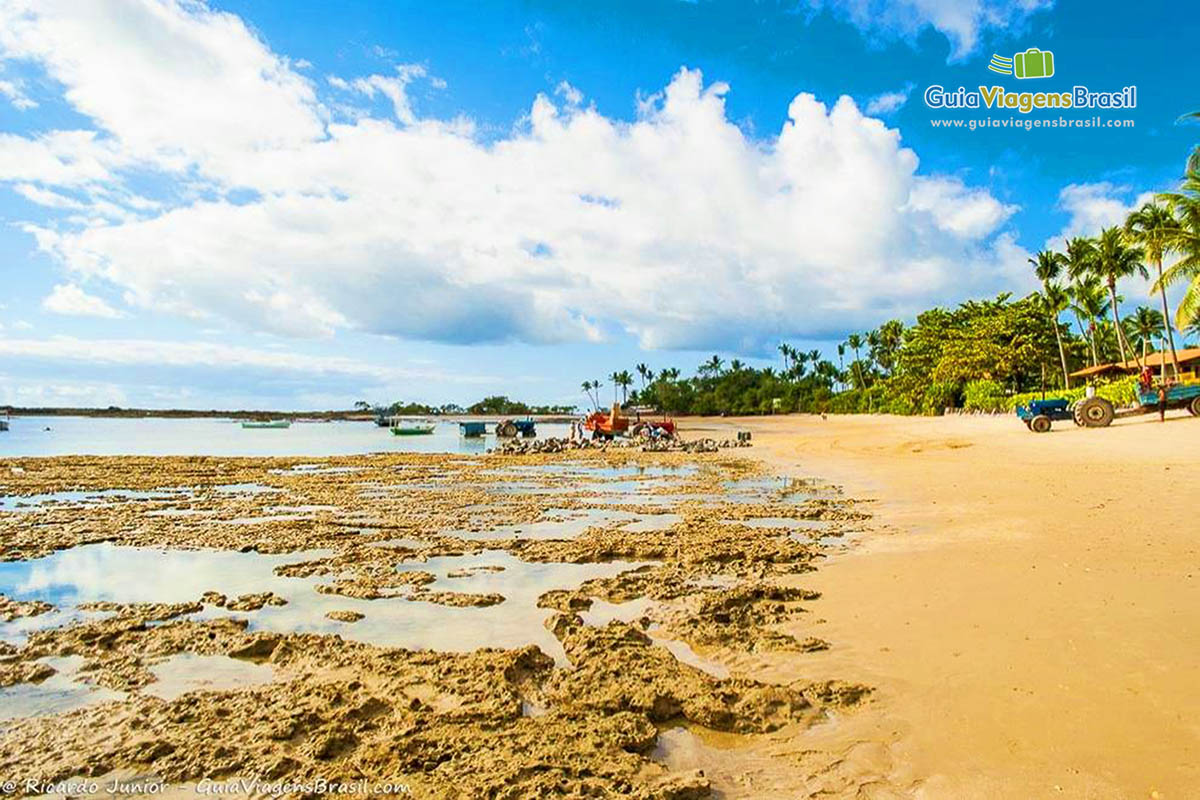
x: 186, y: 413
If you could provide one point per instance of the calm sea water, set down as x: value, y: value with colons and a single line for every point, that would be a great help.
x: 53, y: 436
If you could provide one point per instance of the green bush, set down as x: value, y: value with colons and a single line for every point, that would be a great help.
x: 1120, y: 393
x: 938, y: 397
x: 984, y: 395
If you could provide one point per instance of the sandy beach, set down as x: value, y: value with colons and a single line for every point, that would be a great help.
x: 930, y: 607
x: 1027, y: 607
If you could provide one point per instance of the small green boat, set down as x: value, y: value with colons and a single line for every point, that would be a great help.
x: 412, y: 427
x: 274, y: 423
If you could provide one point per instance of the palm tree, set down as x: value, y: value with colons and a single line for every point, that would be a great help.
x: 1193, y: 329
x: 1057, y: 300
x: 736, y: 365
x: 713, y: 365
x: 798, y: 361
x: 1154, y: 227
x: 1185, y: 241
x: 889, y: 336
x: 587, y: 389
x: 841, y: 351
x: 615, y: 377
x: 1047, y: 267
x: 1089, y: 301
x: 647, y: 375
x: 1193, y: 162
x: 1116, y: 259
x: 623, y: 380
x: 1145, y: 325
x: 670, y: 374
x: 855, y: 342
x: 785, y: 350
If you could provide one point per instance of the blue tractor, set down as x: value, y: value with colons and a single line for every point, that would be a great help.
x: 1039, y: 415
x: 1097, y: 412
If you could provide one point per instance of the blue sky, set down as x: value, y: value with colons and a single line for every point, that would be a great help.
x: 252, y: 204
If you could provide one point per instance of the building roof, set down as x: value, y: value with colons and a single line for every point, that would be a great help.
x: 1101, y: 369
x: 1187, y: 355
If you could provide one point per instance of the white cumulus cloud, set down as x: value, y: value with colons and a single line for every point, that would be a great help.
x: 676, y: 227
x: 889, y: 102
x: 69, y: 299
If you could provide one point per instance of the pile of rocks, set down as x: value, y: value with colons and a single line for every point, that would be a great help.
x: 694, y: 446
x: 646, y: 445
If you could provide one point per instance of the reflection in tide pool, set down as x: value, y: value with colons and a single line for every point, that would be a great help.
x: 560, y: 523
x: 62, y: 691
x: 94, y: 497
x: 141, y: 575
x: 602, y: 612
x: 188, y: 672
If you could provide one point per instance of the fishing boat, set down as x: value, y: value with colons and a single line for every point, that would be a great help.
x: 412, y: 427
x: 3, y: 424
x: 269, y: 423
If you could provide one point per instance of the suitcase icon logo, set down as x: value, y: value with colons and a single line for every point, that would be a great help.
x: 1033, y: 63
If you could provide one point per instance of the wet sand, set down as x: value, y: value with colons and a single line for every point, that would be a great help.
x: 386, y: 618
x: 1026, y: 606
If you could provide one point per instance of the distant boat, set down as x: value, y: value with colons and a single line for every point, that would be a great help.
x: 3, y: 424
x: 274, y: 423
x: 472, y: 429
x: 412, y: 427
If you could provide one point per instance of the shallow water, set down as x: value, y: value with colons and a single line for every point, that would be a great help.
x: 105, y: 572
x: 188, y: 672
x: 560, y: 523
x: 27, y: 436
x: 62, y: 691
x: 603, y: 612
x: 92, y: 497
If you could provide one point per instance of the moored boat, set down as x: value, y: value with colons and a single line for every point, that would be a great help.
x: 271, y: 423
x: 412, y: 427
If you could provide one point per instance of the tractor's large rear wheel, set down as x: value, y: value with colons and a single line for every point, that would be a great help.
x: 1194, y: 406
x: 1096, y: 412
x: 506, y: 429
x: 1040, y: 424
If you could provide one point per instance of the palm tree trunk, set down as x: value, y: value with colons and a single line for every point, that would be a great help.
x: 1062, y: 356
x: 1091, y: 340
x: 1082, y: 330
x: 1162, y: 292
x: 1121, y: 342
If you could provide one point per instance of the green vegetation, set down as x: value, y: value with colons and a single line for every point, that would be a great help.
x: 501, y: 406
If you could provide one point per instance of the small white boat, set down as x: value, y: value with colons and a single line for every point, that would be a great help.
x: 412, y: 427
x: 274, y: 423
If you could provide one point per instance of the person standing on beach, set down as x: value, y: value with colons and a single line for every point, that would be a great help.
x: 1162, y: 402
